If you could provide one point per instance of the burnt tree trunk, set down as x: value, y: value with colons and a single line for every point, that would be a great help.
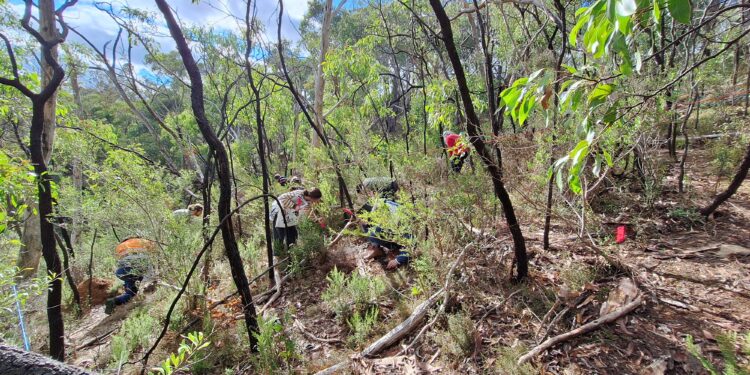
x: 475, y: 137
x: 222, y: 167
x: 37, y: 141
x: 261, y: 146
x: 548, y: 206
x: 49, y: 251
x: 14, y: 361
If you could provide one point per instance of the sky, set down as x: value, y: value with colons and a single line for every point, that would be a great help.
x: 98, y: 27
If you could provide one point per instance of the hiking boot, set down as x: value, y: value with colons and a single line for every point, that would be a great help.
x: 109, y: 306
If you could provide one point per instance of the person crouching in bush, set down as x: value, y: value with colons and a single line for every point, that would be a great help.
x: 293, y: 204
x: 133, y: 264
x: 382, y: 242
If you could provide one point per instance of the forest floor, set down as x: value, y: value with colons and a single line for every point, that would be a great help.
x: 694, y: 275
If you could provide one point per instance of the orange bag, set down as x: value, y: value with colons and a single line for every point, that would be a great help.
x: 133, y: 246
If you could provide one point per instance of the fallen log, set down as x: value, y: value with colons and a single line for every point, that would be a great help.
x: 401, y: 330
x: 609, y: 318
x: 407, y: 326
x: 14, y: 361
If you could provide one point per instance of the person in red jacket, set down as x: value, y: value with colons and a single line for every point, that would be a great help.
x: 457, y: 149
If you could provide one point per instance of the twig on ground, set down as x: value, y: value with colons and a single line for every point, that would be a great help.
x: 446, y: 296
x: 309, y: 335
x: 609, y: 318
x: 340, y: 234
x: 408, y: 325
x: 96, y: 339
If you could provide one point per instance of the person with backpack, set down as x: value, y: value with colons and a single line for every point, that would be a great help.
x: 457, y: 150
x: 133, y: 264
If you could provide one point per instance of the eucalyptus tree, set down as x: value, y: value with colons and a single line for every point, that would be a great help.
x: 476, y: 138
x: 223, y: 173
x: 41, y: 136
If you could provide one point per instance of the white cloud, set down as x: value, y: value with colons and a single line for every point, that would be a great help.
x: 296, y: 8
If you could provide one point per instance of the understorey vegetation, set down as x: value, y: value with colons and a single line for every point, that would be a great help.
x: 509, y: 187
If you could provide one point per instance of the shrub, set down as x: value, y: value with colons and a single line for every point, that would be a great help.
x: 347, y: 295
x: 275, y: 348
x: 457, y: 340
x: 507, y: 361
x: 186, y: 355
x: 688, y: 217
x: 362, y: 325
x: 136, y: 333
x: 575, y: 274
x: 424, y: 266
x: 727, y: 342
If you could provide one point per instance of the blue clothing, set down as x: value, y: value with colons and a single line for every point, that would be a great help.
x: 127, y: 275
x: 376, y: 234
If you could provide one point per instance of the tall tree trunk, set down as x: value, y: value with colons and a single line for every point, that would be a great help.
x: 548, y: 206
x: 476, y: 139
x: 222, y: 167
x: 733, y: 186
x: 47, y: 234
x: 747, y: 87
x: 489, y: 82
x: 319, y: 79
x: 48, y: 29
x: 261, y: 145
x: 306, y: 113
x: 30, y: 254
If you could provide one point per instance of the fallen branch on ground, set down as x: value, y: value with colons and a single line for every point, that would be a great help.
x: 96, y: 339
x: 408, y: 325
x: 340, y: 234
x: 609, y: 318
x: 278, y: 283
x: 446, y: 296
x: 309, y: 335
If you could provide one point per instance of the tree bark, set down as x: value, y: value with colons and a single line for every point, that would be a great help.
x: 49, y: 31
x: 319, y: 80
x: 14, y: 361
x: 30, y: 254
x: 261, y: 149
x: 733, y: 186
x: 222, y: 167
x: 548, y: 206
x: 476, y: 139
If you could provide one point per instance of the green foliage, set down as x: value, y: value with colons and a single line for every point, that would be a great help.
x: 396, y: 224
x: 349, y: 295
x: 9, y: 325
x: 426, y: 271
x: 361, y: 325
x: 727, y: 343
x: 17, y: 184
x: 137, y: 332
x: 507, y: 361
x: 688, y: 216
x: 309, y: 245
x: 190, y: 347
x: 522, y: 96
x: 276, y: 350
x: 457, y: 340
x: 575, y: 274
x: 680, y: 10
